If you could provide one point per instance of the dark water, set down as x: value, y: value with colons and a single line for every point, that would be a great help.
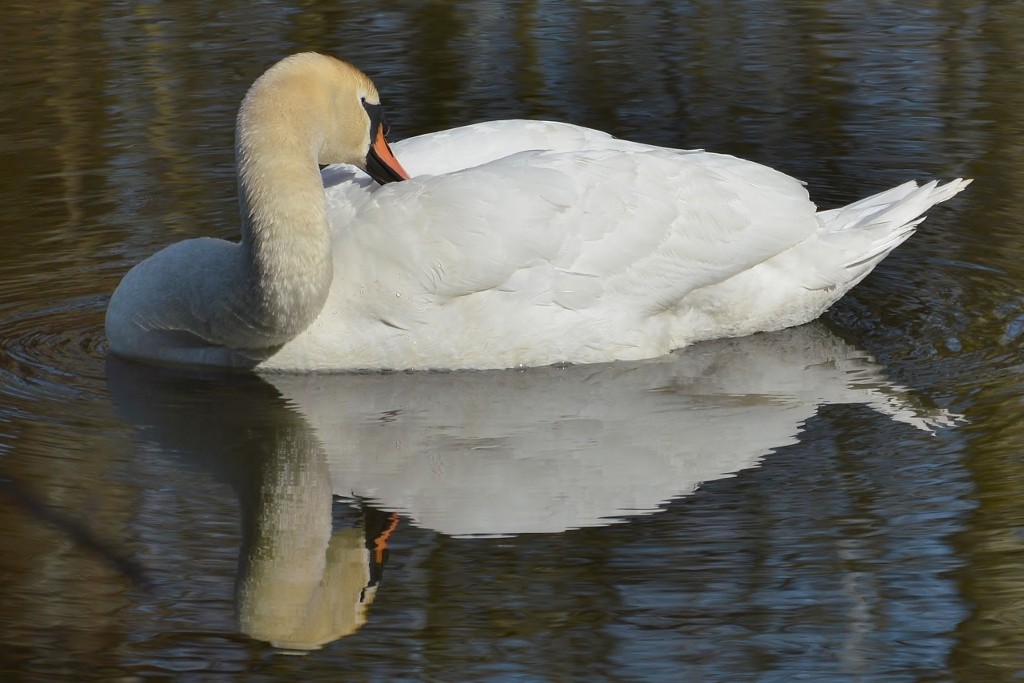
x: 770, y: 509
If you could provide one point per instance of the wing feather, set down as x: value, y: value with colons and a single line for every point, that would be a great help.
x: 631, y: 228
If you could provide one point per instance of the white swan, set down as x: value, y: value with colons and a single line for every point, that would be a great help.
x: 515, y: 243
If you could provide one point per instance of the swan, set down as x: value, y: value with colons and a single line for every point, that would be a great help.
x: 504, y: 244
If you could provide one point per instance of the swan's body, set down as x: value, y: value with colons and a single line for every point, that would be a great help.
x: 514, y: 243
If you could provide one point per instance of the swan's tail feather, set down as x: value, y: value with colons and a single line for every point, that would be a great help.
x: 899, y: 205
x: 861, y: 234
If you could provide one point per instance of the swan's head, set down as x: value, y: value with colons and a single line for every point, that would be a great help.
x: 334, y: 102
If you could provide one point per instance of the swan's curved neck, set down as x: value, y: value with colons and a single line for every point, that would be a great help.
x: 286, y: 239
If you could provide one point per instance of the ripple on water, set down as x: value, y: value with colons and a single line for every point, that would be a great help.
x: 55, y: 353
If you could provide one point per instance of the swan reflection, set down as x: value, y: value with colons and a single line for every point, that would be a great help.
x: 487, y: 453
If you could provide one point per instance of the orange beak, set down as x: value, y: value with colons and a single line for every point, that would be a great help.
x: 381, y: 163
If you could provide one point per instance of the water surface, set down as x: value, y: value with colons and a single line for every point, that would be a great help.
x: 798, y: 506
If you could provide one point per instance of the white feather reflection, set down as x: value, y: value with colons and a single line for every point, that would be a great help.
x: 550, y: 449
